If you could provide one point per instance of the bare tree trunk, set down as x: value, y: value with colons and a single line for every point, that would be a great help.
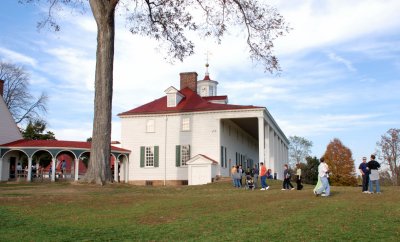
x: 99, y: 171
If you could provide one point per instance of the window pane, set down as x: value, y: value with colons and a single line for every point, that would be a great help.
x: 171, y: 98
x: 185, y: 154
x: 149, y: 158
x: 185, y: 124
x: 150, y: 125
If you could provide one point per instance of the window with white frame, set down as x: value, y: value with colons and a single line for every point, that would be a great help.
x: 185, y: 154
x: 149, y: 156
x: 211, y: 91
x: 150, y: 126
x: 185, y: 124
x: 171, y: 100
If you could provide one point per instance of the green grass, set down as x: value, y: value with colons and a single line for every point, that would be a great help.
x: 214, y: 212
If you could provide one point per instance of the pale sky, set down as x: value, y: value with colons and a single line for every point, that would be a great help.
x: 340, y: 78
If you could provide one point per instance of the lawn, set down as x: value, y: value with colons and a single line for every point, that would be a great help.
x: 214, y: 212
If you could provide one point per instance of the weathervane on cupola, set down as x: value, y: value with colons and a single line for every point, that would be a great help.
x: 207, y: 87
x: 207, y: 77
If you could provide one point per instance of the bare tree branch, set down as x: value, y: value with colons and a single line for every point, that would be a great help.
x: 389, y: 152
x: 24, y: 107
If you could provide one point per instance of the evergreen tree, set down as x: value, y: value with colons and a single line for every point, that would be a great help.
x: 310, y: 170
x: 35, y: 131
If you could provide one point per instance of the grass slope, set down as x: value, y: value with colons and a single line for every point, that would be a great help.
x: 214, y: 212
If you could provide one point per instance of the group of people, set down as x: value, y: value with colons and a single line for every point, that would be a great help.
x: 237, y: 174
x: 370, y: 175
x: 287, y: 185
x: 36, y: 170
x: 369, y: 172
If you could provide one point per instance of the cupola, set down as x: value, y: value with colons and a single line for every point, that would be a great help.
x: 207, y: 87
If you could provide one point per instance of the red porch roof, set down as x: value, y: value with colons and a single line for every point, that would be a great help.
x: 62, y: 144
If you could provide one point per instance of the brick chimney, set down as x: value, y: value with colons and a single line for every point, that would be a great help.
x: 1, y: 87
x: 189, y: 79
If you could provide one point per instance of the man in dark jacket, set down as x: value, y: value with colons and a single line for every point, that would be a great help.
x: 373, y: 167
x: 365, y: 175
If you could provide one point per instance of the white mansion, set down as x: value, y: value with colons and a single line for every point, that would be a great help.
x: 192, y: 136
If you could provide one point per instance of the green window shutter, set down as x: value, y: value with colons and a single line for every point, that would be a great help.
x: 225, y: 159
x: 236, y: 156
x: 155, y: 156
x: 222, y: 156
x: 178, y: 156
x: 141, y: 156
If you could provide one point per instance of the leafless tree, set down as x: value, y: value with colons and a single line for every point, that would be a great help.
x: 389, y: 152
x: 169, y: 22
x: 299, y: 149
x: 23, y: 106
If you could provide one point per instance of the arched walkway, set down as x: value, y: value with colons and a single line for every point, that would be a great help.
x: 53, y: 159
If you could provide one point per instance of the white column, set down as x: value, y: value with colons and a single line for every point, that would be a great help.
x: 76, y: 172
x: 278, y: 162
x: 126, y: 170
x: 116, y: 170
x: 272, y: 150
x: 261, y: 155
x: 278, y: 152
x: 285, y: 151
x: 53, y: 169
x: 266, y: 145
x: 276, y: 158
x: 29, y: 178
x: 220, y: 152
x: 122, y: 170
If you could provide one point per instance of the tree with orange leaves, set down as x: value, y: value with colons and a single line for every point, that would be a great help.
x: 341, y: 164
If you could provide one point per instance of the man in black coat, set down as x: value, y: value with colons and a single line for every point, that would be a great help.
x: 373, y: 167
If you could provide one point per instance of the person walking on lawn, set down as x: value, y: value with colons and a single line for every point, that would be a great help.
x: 298, y: 177
x: 263, y: 175
x: 286, y: 178
x: 323, y: 170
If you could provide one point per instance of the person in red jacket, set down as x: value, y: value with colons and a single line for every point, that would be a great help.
x: 263, y: 175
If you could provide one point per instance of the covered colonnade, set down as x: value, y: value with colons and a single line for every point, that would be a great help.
x: 51, y: 159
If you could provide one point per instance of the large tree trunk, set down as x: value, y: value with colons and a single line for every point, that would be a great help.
x: 99, y: 171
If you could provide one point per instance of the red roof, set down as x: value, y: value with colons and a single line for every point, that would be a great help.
x: 212, y: 160
x: 191, y: 102
x: 216, y: 98
x: 23, y: 143
x: 207, y: 78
